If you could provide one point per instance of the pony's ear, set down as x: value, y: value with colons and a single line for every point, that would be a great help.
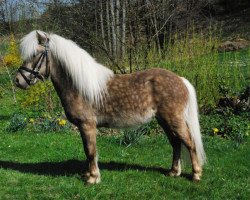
x: 41, y: 37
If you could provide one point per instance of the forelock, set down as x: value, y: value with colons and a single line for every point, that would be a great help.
x: 28, y: 45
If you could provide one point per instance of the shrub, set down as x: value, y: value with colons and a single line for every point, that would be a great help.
x: 133, y: 136
x: 51, y: 124
x: 40, y: 97
x: 44, y: 123
x: 17, y: 122
x: 12, y: 58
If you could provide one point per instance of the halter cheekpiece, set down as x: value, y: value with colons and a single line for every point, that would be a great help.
x: 36, y: 69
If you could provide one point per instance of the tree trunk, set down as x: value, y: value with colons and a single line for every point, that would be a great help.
x: 113, y: 29
x: 118, y: 37
x: 108, y: 27
x: 102, y: 25
x: 96, y: 19
x: 123, y: 28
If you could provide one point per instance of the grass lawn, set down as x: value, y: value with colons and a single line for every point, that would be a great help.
x: 50, y: 166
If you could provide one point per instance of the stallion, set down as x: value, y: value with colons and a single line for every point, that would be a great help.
x: 93, y: 96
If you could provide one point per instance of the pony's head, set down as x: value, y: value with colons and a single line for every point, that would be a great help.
x: 34, y: 50
x: 45, y: 54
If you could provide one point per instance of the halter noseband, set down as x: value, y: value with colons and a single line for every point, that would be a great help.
x: 36, y: 68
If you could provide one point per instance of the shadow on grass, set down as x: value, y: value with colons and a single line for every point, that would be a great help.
x: 5, y: 117
x: 74, y: 167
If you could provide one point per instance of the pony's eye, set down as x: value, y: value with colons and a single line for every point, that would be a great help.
x: 34, y: 55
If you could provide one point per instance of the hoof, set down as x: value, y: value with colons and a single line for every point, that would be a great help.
x: 196, y: 177
x: 92, y: 178
x: 174, y: 173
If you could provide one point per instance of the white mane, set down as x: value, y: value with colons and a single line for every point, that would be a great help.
x: 88, y: 76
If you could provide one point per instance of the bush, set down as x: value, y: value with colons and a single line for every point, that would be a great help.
x: 51, y: 124
x: 17, y: 122
x: 133, y: 136
x: 12, y: 58
x: 45, y: 123
x: 40, y: 97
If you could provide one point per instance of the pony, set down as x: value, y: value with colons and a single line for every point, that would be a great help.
x: 93, y: 96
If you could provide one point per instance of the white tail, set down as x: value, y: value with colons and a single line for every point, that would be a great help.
x: 191, y: 117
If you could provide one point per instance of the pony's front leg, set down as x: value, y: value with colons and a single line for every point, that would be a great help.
x: 88, y: 134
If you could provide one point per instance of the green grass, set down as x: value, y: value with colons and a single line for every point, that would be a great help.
x: 50, y: 166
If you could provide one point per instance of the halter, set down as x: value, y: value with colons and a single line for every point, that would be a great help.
x: 36, y: 68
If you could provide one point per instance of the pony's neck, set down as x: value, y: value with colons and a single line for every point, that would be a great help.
x: 73, y: 102
x: 87, y: 76
x: 60, y: 80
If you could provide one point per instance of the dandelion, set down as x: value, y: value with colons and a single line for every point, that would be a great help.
x: 31, y: 120
x: 216, y: 130
x: 62, y: 122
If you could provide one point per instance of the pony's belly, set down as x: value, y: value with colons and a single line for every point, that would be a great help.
x: 124, y: 120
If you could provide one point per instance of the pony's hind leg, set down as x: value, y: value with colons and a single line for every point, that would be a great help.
x: 88, y: 134
x: 182, y: 132
x: 176, y: 145
x: 178, y: 133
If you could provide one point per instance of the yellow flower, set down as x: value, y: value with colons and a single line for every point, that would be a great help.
x: 62, y: 122
x: 31, y: 120
x: 216, y: 130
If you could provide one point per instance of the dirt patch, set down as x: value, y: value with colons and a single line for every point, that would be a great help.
x: 237, y: 104
x: 235, y: 45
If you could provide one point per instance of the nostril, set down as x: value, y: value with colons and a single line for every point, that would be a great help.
x: 17, y: 80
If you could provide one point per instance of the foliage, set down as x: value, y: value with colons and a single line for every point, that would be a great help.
x: 21, y: 121
x: 17, y: 122
x: 12, y: 58
x: 231, y: 117
x: 133, y: 136
x: 237, y: 128
x: 40, y: 97
x: 236, y: 104
x: 1, y: 92
x: 50, y: 124
x: 229, y: 126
